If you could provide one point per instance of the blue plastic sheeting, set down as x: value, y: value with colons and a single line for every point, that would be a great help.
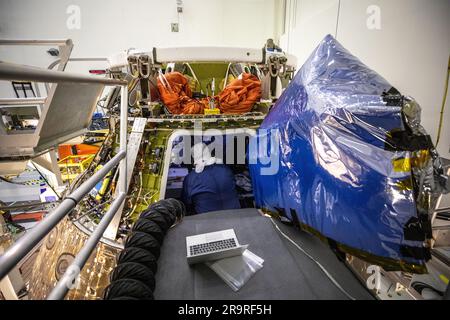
x: 335, y: 173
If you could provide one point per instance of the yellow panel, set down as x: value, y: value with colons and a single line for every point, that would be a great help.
x: 402, y: 165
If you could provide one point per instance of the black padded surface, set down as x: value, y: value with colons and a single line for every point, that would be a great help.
x: 287, y: 272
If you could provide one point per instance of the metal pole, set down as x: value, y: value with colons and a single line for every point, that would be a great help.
x: 24, y: 42
x: 88, y: 59
x: 27, y: 205
x: 12, y: 71
x: 21, y: 101
x: 445, y: 209
x: 72, y: 272
x: 123, y: 138
x: 111, y: 231
x: 21, y: 247
x: 53, y: 64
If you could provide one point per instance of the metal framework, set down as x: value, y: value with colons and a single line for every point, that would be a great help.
x: 25, y: 244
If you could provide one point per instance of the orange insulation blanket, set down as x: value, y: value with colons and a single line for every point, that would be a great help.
x: 240, y: 95
x: 177, y: 95
x: 237, y: 97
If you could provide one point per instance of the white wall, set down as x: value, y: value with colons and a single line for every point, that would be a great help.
x: 411, y: 49
x: 110, y: 26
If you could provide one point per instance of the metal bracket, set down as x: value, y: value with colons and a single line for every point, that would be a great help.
x: 134, y: 142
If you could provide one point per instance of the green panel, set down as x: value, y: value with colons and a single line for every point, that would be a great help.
x: 205, y: 72
x: 151, y: 182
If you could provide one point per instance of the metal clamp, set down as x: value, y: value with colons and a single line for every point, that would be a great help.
x: 274, y: 67
x: 277, y: 66
x: 144, y: 66
x: 133, y: 66
x: 283, y: 68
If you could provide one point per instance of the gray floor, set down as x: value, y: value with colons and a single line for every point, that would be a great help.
x: 287, y: 272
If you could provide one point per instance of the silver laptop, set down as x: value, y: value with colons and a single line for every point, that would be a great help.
x: 213, y: 246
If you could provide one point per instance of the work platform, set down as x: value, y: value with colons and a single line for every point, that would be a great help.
x: 287, y: 272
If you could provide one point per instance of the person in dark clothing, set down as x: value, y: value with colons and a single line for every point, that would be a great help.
x: 211, y: 186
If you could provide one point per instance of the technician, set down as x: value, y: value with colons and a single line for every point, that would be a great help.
x: 211, y: 185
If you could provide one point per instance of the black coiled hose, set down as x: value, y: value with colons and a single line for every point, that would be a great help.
x: 134, y: 276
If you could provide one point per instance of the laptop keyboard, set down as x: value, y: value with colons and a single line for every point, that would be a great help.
x: 209, y: 247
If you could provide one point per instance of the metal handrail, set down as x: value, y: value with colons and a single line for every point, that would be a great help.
x: 27, y: 42
x: 88, y: 59
x: 25, y: 244
x: 12, y: 71
x: 21, y: 101
x: 65, y: 283
x: 22, y: 246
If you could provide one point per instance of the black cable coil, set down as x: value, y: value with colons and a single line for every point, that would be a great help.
x: 134, y: 275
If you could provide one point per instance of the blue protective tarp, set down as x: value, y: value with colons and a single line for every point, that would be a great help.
x: 335, y: 173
